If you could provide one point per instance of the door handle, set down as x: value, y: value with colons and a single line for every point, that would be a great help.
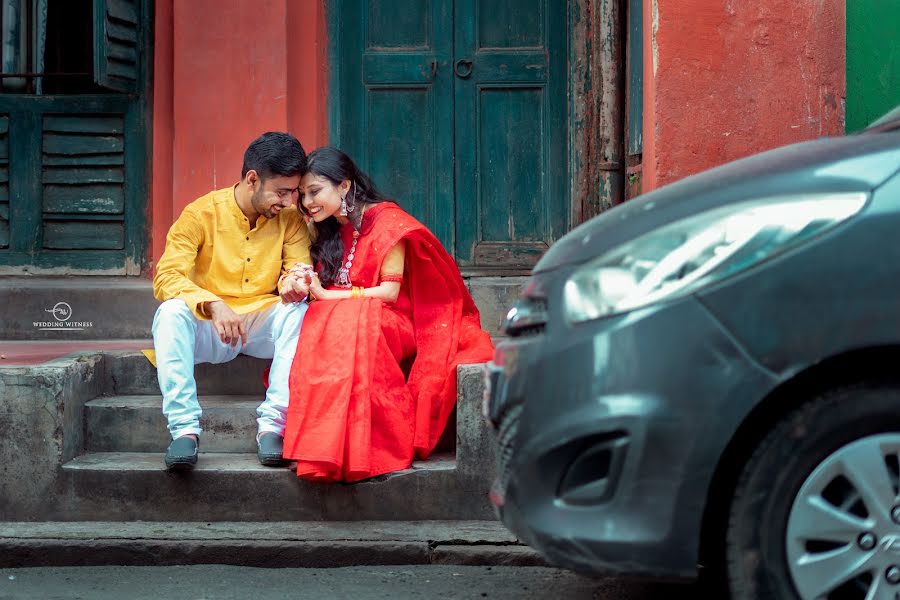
x: 462, y: 68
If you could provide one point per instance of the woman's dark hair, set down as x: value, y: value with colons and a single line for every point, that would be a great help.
x: 336, y: 167
x: 274, y: 154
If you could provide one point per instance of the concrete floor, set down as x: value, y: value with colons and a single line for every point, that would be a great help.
x: 358, y: 583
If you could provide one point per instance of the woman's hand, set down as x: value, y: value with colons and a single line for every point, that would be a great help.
x: 316, y: 289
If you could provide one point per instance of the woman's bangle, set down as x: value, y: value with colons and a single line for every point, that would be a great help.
x: 357, y: 292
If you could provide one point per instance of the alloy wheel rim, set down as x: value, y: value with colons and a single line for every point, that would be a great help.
x: 843, y: 532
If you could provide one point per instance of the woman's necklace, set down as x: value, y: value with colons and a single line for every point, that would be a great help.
x: 343, y: 278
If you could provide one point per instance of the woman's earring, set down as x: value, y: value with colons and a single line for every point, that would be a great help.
x: 347, y: 206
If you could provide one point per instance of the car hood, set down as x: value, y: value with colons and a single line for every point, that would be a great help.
x: 846, y: 164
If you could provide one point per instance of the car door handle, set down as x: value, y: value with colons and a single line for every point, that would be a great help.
x: 462, y: 68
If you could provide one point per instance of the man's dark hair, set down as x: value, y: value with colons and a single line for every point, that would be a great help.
x: 274, y: 154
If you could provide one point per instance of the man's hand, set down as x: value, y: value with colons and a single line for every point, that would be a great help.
x: 294, y: 289
x: 295, y: 283
x: 228, y: 324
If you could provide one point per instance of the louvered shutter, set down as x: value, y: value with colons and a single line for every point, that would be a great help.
x: 116, y: 43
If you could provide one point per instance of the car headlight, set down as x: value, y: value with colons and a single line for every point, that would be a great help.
x: 686, y: 255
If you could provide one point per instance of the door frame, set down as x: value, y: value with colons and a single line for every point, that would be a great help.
x: 595, y: 122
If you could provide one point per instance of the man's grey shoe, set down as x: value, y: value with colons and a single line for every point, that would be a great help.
x: 271, y: 446
x: 182, y: 454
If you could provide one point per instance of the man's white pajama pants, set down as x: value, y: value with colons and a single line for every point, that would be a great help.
x: 182, y: 340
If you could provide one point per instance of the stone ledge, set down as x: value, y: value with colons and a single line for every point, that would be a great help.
x: 123, y: 307
x: 283, y: 544
x: 435, y: 532
x: 114, y: 308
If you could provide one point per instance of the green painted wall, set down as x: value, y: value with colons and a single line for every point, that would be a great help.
x: 873, y: 60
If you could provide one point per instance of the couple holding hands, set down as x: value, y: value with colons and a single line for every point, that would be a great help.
x: 364, y: 315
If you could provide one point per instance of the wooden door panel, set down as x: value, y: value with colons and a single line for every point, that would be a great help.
x: 511, y: 23
x: 511, y: 201
x: 401, y: 154
x: 397, y: 104
x: 509, y: 164
x: 399, y: 23
x: 75, y: 180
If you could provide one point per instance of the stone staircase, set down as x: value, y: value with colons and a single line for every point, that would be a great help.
x: 84, y: 436
x: 89, y: 442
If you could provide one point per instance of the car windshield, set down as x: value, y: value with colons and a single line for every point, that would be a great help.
x: 888, y: 122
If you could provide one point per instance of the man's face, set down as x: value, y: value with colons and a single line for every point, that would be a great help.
x: 274, y: 194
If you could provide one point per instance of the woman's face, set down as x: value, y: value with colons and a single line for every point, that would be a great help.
x: 321, y: 198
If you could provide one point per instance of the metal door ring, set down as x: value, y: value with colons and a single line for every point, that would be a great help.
x: 462, y: 68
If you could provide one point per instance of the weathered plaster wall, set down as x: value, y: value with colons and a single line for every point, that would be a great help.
x: 727, y: 78
x: 224, y: 73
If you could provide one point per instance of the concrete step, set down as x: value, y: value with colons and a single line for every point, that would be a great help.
x: 216, y: 462
x: 494, y: 296
x: 262, y: 544
x: 235, y: 487
x: 123, y: 307
x: 136, y: 424
x: 131, y: 374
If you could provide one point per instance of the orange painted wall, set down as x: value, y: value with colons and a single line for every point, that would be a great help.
x: 224, y: 72
x: 727, y: 78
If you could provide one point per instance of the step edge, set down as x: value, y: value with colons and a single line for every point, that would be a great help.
x: 118, y: 462
x: 467, y: 531
x: 141, y: 401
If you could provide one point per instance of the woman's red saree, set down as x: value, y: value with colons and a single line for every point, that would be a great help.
x: 353, y: 413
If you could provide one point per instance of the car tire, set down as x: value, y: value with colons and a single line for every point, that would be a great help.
x: 815, y: 435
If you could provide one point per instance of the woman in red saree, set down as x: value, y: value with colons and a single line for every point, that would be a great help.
x: 373, y: 382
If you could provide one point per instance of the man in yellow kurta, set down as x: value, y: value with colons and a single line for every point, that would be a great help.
x: 219, y: 281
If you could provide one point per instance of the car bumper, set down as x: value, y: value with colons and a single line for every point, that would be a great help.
x: 609, y: 433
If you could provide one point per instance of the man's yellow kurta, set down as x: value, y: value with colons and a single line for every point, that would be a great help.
x: 212, y: 254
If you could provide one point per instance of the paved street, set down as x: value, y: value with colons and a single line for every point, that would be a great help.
x: 216, y: 582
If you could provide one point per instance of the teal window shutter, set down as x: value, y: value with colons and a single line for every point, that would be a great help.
x: 116, y: 39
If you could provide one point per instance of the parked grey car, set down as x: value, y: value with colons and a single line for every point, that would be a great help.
x: 707, y: 378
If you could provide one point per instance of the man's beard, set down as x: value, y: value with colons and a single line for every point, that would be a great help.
x: 256, y: 200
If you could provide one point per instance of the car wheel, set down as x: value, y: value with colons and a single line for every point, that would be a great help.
x: 816, y: 511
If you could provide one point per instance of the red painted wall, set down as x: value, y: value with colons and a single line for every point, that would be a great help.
x: 252, y: 66
x: 727, y: 78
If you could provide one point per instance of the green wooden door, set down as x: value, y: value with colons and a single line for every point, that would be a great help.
x: 396, y: 106
x: 457, y: 109
x: 510, y: 130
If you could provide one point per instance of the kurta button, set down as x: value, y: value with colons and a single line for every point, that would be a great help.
x: 248, y: 238
x: 248, y: 260
x: 246, y: 281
